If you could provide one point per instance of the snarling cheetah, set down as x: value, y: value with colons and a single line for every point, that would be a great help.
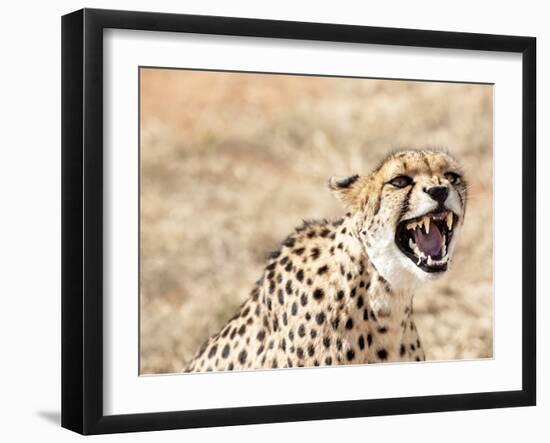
x: 341, y: 292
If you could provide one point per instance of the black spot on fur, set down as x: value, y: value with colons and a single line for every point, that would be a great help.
x: 212, y: 351
x: 402, y: 350
x: 369, y: 339
x: 288, y: 287
x: 340, y: 295
x: 303, y: 299
x: 300, y: 275
x: 315, y: 253
x: 301, y: 330
x: 299, y: 251
x: 361, y: 342
x: 326, y: 341
x: 225, y: 351
x: 382, y: 354
x: 349, y: 324
x: 350, y: 355
x: 320, y: 318
x: 261, y: 335
x: 318, y: 294
x: 289, y: 241
x: 322, y: 270
x: 242, y: 356
x: 294, y: 309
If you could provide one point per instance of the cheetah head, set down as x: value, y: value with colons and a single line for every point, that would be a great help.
x: 408, y: 213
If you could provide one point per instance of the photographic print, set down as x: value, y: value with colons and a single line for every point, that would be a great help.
x: 254, y: 208
x: 294, y: 221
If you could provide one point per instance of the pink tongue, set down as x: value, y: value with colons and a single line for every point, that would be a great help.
x: 431, y: 243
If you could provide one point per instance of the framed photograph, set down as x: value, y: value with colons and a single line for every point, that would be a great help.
x: 269, y: 221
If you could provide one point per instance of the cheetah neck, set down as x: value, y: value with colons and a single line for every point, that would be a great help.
x: 389, y: 309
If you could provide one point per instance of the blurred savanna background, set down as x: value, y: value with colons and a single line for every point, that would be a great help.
x: 232, y: 162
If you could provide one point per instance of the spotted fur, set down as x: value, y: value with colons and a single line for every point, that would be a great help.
x: 339, y: 292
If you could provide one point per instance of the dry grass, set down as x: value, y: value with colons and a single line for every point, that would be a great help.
x: 232, y: 162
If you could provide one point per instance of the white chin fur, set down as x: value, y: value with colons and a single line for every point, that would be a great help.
x: 398, y: 269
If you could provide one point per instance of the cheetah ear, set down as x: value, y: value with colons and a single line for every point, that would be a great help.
x: 346, y: 189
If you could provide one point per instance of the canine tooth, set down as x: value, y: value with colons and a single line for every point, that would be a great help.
x: 427, y: 224
x: 430, y: 261
x: 450, y: 220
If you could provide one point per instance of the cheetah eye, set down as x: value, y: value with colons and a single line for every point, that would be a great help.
x: 401, y: 181
x: 453, y: 177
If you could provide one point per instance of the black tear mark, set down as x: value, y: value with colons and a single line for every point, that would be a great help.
x: 378, y: 203
x: 405, y: 204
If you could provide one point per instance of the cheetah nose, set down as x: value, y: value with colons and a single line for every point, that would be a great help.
x: 438, y: 193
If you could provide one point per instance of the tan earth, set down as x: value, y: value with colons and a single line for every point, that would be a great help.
x: 231, y: 163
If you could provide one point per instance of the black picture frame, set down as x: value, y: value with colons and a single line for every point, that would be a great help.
x: 82, y: 220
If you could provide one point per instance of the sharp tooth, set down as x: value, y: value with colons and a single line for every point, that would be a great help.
x: 427, y: 224
x: 430, y: 261
x: 450, y: 220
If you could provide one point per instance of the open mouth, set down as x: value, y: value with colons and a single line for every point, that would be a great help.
x: 426, y: 239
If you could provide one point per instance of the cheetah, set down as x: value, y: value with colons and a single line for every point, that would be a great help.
x: 341, y: 291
